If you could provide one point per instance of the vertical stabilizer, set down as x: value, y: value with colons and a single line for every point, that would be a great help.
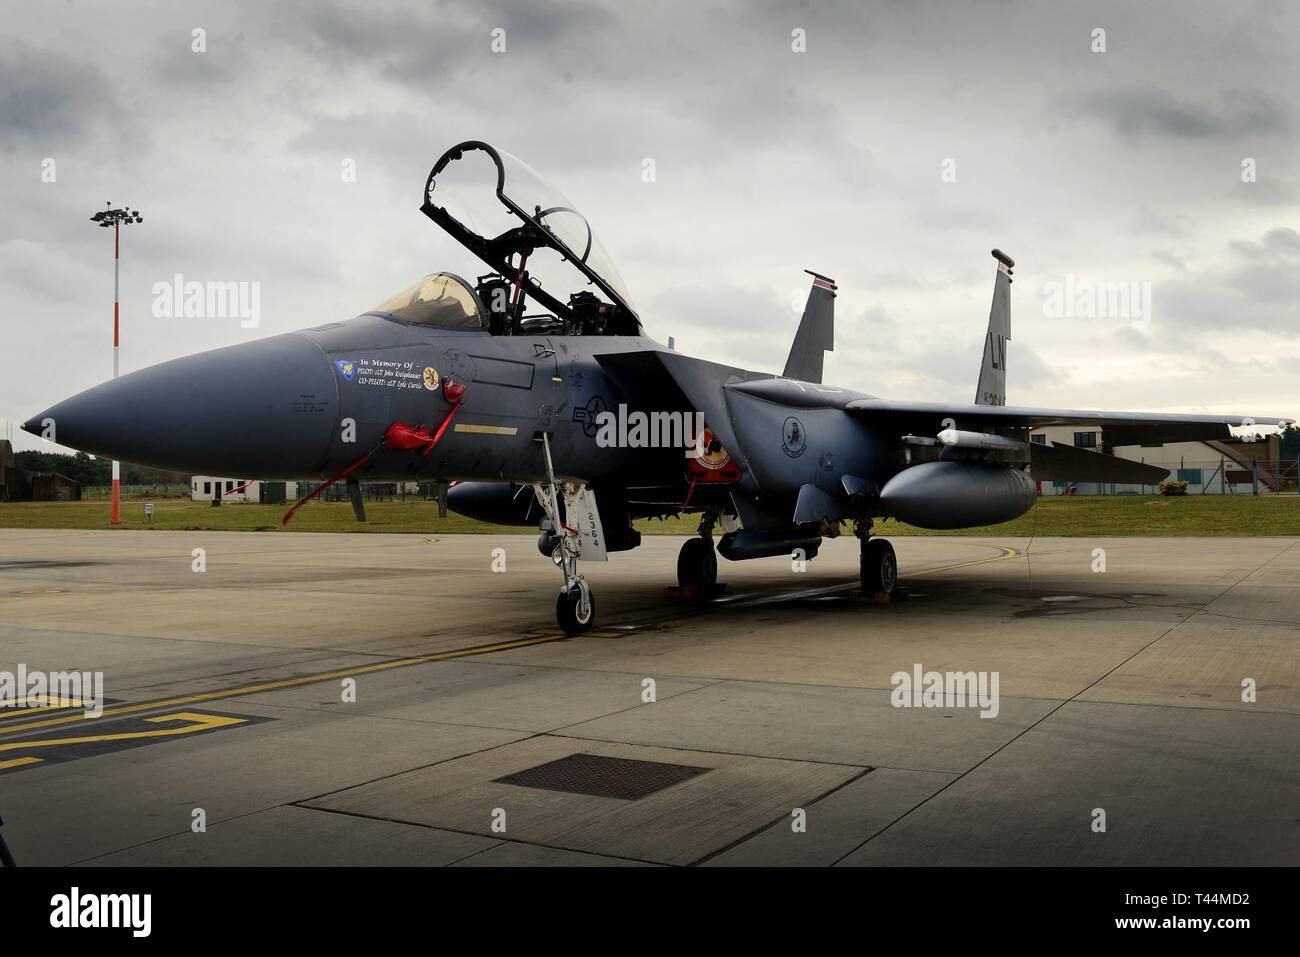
x: 816, y: 333
x: 992, y: 388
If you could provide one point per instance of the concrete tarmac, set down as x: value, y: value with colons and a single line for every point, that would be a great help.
x: 285, y: 699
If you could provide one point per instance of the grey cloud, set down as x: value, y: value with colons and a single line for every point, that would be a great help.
x: 1137, y: 113
x: 1259, y: 291
x: 52, y: 100
x: 44, y: 271
x: 1267, y: 192
x: 225, y: 60
x: 728, y: 309
x: 908, y: 355
x: 1281, y: 242
x: 423, y: 46
x: 1155, y: 223
x: 1169, y: 259
x: 1267, y: 285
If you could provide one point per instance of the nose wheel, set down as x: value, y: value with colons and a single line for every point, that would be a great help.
x: 575, y: 608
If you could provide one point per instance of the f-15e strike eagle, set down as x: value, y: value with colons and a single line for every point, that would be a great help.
x: 537, y: 391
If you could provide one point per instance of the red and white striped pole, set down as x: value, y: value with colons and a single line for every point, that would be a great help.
x: 116, y: 518
x: 116, y: 218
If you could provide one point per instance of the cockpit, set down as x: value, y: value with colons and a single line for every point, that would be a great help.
x: 441, y: 300
x: 549, y: 274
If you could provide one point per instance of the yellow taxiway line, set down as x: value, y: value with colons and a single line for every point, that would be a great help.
x: 198, y: 722
x: 291, y: 682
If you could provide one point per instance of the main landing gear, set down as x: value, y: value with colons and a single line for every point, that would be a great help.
x: 878, y: 564
x: 697, y: 562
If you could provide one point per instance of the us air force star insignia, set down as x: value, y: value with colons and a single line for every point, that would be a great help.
x: 587, y: 415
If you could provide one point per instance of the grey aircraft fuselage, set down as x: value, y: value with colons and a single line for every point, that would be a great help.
x: 281, y: 407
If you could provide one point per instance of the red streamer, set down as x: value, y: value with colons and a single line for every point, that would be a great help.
x: 400, y: 437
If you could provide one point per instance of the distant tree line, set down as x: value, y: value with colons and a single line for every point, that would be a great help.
x: 1290, y: 441
x: 89, y: 470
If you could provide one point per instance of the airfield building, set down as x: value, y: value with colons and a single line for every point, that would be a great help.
x: 22, y: 485
x: 1236, y: 467
x: 205, y: 488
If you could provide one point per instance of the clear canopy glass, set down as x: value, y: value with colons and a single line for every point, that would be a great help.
x: 441, y: 300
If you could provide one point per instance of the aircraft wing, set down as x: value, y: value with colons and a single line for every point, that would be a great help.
x: 1121, y: 428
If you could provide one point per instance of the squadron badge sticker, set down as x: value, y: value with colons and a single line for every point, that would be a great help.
x: 346, y: 368
x: 793, y: 440
x: 431, y: 378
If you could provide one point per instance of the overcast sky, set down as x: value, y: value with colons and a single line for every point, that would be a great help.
x: 906, y: 140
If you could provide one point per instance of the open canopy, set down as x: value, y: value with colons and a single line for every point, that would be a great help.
x: 514, y: 220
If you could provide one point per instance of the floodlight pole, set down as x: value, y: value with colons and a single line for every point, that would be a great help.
x: 116, y: 517
x: 116, y: 218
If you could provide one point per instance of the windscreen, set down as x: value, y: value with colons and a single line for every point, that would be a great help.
x: 441, y: 300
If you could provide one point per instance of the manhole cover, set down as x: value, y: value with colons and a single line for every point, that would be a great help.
x: 600, y: 776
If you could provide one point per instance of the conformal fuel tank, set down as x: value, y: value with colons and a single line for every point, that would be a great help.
x: 957, y: 494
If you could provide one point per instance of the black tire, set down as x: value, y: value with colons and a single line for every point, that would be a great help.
x: 879, y: 567
x: 566, y: 611
x: 697, y: 564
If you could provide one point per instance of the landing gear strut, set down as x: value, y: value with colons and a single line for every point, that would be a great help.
x: 575, y: 607
x: 879, y: 566
x: 697, y: 562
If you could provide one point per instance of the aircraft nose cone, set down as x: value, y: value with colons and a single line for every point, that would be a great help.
x: 265, y: 409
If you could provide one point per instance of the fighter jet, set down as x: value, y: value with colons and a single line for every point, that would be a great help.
x: 535, y: 388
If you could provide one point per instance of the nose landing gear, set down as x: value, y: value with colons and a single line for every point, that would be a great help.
x: 575, y: 607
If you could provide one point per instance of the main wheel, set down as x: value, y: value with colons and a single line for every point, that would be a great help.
x: 575, y: 609
x: 879, y: 567
x: 697, y: 564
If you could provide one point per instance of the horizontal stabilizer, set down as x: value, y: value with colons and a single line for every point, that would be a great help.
x: 1117, y: 428
x: 1065, y: 463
